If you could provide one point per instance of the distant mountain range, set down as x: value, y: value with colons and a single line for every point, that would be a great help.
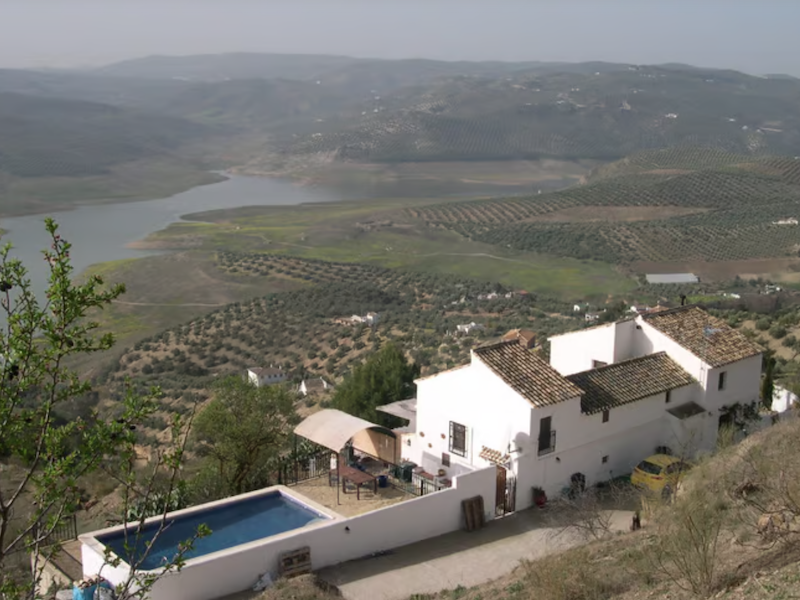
x: 568, y: 115
x: 84, y: 122
x: 303, y: 67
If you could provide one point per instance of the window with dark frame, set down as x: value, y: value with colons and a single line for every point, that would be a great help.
x: 458, y: 439
x: 606, y: 415
x: 668, y: 397
x: 445, y: 459
x: 605, y: 459
x: 721, y: 381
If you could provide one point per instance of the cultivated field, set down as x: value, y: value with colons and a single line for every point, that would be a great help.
x: 378, y: 233
x: 651, y: 207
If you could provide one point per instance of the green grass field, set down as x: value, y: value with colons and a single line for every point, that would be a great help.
x: 377, y: 233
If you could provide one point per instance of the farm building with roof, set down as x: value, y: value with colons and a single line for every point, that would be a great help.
x: 672, y: 278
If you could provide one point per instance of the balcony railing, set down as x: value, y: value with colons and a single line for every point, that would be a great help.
x: 547, y: 443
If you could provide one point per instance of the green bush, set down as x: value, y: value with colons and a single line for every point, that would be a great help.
x: 777, y: 331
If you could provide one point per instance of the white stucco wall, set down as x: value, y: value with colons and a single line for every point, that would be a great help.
x: 575, y: 429
x: 230, y: 571
x: 742, y: 382
x: 574, y: 352
x: 632, y: 433
x: 474, y: 396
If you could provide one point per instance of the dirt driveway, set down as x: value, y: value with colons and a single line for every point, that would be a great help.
x: 458, y: 558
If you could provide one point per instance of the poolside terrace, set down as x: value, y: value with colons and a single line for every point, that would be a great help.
x: 348, y: 504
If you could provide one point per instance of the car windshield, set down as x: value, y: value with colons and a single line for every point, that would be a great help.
x: 648, y: 467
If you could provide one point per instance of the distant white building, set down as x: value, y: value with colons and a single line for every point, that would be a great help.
x: 783, y: 399
x: 261, y: 376
x: 672, y: 278
x: 789, y: 221
x: 314, y: 386
x: 370, y: 318
x: 468, y: 328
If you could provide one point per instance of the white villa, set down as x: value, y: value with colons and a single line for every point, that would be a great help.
x: 479, y: 438
x: 261, y: 376
x: 609, y: 397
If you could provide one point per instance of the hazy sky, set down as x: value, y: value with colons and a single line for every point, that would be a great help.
x: 757, y: 36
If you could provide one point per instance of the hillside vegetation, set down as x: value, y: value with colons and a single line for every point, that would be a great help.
x: 603, y: 115
x: 668, y: 205
x: 49, y: 147
x: 364, y: 110
x: 301, y: 330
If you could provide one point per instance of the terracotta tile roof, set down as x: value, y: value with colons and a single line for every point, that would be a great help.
x: 707, y: 337
x: 494, y: 456
x: 527, y: 374
x: 526, y: 335
x: 628, y: 381
x: 317, y: 383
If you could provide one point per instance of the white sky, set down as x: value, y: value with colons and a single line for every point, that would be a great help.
x: 758, y: 36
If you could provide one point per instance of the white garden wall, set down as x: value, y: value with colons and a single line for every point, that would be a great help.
x: 229, y: 571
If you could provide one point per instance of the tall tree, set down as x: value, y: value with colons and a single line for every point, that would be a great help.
x: 50, y: 454
x: 242, y: 431
x: 385, y: 377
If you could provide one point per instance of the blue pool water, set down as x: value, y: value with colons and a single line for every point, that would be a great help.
x: 231, y: 525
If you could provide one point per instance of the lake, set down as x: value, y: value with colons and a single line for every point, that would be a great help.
x: 102, y: 233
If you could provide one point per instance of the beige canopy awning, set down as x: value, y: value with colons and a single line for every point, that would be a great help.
x: 333, y: 429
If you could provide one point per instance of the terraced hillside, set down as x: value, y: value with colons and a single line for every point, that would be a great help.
x: 602, y: 115
x: 300, y: 330
x: 658, y: 206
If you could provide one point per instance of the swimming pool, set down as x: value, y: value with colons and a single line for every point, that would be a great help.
x: 231, y: 524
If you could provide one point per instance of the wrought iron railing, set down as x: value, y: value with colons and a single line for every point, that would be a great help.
x: 64, y: 531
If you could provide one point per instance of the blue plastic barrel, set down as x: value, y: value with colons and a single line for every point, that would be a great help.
x: 383, y: 481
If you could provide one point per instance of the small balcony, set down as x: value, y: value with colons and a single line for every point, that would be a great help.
x: 547, y: 443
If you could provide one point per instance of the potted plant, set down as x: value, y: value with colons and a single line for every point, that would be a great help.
x: 539, y: 497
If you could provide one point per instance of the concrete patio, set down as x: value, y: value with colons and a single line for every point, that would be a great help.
x: 459, y: 558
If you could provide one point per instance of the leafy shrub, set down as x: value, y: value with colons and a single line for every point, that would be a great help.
x: 777, y: 331
x: 763, y: 324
